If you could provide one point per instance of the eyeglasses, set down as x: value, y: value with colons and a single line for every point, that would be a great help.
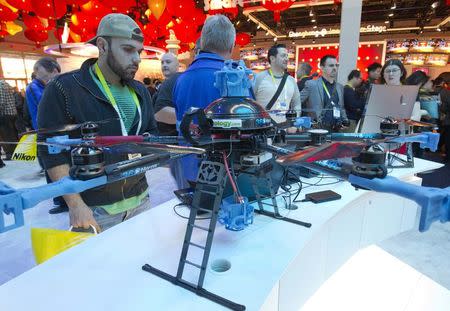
x: 388, y: 71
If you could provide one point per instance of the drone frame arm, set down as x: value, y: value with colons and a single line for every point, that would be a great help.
x: 435, y: 202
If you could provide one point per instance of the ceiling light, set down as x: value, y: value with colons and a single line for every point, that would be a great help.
x: 313, y: 20
x: 314, y: 27
x: 267, y: 33
x: 386, y: 22
x: 238, y: 22
x: 275, y: 39
x: 435, y: 4
x: 394, y: 6
x: 311, y: 13
x: 248, y: 19
x: 390, y: 15
x: 438, y: 29
x: 259, y: 26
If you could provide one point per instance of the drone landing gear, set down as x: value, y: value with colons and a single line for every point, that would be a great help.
x: 404, y: 163
x: 209, y: 188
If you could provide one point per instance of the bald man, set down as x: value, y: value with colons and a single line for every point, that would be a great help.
x: 169, y: 65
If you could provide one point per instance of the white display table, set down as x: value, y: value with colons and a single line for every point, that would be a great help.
x: 275, y: 265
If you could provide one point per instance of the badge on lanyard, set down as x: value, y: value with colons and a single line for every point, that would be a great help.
x: 336, y: 111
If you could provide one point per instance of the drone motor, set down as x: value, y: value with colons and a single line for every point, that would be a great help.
x: 89, y: 130
x: 370, y: 163
x: 318, y: 136
x: 87, y: 162
x: 389, y: 127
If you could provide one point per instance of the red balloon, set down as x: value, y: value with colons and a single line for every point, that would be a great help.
x: 6, y: 14
x: 186, y: 32
x: 119, y: 5
x: 180, y: 8
x: 231, y: 13
x: 45, y: 8
x: 36, y: 36
x: 243, y: 38
x: 96, y: 9
x: 277, y: 7
x: 76, y: 2
x: 21, y: 4
x: 32, y: 22
x: 198, y: 17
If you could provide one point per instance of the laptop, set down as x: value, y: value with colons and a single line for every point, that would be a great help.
x: 387, y: 101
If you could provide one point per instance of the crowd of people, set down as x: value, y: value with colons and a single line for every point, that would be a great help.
x: 105, y: 89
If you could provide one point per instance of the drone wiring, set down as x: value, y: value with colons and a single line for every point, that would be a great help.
x: 181, y: 204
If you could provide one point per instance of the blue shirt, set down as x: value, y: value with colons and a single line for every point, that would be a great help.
x: 195, y: 88
x: 33, y: 96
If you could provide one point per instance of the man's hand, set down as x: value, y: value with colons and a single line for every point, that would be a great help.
x: 81, y: 217
x: 80, y: 214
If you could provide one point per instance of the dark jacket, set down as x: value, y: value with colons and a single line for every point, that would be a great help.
x: 354, y: 106
x: 74, y: 97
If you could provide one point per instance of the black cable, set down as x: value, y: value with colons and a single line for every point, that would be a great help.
x: 184, y: 217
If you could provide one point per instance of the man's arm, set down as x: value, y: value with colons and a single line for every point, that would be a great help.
x: 52, y: 112
x: 80, y: 214
x: 296, y: 104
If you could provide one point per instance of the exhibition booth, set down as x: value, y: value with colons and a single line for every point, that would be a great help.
x: 276, y: 220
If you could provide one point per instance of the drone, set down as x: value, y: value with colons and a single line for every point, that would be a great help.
x: 233, y: 136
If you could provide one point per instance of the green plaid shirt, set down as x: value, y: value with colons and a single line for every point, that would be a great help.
x: 7, y: 100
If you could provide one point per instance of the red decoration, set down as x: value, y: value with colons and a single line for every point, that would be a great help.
x: 20, y: 4
x: 76, y: 2
x: 37, y: 36
x: 119, y: 5
x: 95, y: 8
x: 180, y: 8
x: 243, y: 38
x: 277, y: 8
x: 231, y: 13
x: 45, y: 8
x: 185, y: 31
x: 33, y: 22
x: 6, y: 14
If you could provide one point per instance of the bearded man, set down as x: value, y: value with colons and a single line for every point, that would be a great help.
x: 102, y: 89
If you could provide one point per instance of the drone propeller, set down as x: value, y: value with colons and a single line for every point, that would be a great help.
x: 328, y: 151
x: 152, y: 148
x: 65, y: 128
x: 418, y: 123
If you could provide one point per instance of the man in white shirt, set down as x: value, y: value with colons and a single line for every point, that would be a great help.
x: 267, y: 83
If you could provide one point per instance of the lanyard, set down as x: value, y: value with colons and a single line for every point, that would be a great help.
x: 271, y: 74
x: 328, y: 93
x: 112, y: 100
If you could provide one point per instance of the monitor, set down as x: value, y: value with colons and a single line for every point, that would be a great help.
x: 387, y: 101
